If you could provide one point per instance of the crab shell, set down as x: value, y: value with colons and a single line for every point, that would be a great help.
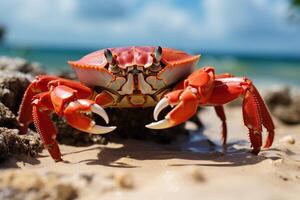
x: 92, y: 70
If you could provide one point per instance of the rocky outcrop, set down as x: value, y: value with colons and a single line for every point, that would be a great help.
x: 20, y: 65
x: 12, y: 88
x: 7, y: 117
x: 11, y: 143
x: 15, y: 76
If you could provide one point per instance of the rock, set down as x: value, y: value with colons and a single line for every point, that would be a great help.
x: 288, y: 114
x: 7, y: 118
x: 284, y: 105
x: 12, y: 144
x: 282, y: 96
x: 12, y: 88
x: 29, y: 185
x: 20, y: 65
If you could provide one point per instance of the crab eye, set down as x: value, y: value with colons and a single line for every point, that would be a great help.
x: 113, y: 67
x: 109, y: 56
x: 158, y: 54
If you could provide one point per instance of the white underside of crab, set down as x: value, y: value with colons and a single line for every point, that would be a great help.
x: 135, y: 87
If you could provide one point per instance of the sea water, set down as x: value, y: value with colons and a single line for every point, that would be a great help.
x: 266, y: 71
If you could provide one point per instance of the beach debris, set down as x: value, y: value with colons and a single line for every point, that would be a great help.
x: 12, y: 144
x: 283, y: 178
x: 20, y: 65
x: 196, y: 174
x: 123, y: 179
x: 288, y: 140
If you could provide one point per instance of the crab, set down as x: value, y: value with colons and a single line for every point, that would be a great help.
x: 138, y: 77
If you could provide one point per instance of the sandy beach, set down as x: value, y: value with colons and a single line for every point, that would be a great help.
x: 192, y: 169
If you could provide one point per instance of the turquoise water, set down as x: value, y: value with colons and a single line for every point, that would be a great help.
x: 263, y: 70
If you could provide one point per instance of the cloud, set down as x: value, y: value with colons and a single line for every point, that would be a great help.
x: 230, y: 25
x: 256, y: 25
x: 103, y: 9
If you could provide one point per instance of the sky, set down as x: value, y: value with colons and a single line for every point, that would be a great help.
x: 257, y: 26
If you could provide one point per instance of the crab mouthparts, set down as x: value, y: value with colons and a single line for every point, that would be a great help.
x: 135, y: 71
x: 136, y: 83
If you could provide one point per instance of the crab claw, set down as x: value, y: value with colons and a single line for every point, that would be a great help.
x: 162, y: 124
x: 75, y: 114
x: 186, y: 106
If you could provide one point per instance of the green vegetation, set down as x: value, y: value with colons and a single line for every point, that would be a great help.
x: 296, y: 2
x: 2, y: 31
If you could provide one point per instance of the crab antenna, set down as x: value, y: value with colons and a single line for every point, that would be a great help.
x: 109, y: 56
x: 158, y: 53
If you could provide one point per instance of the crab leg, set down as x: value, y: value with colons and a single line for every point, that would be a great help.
x: 38, y: 85
x: 221, y: 114
x: 255, y: 112
x: 41, y: 110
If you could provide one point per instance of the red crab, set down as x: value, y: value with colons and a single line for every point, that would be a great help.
x: 139, y: 77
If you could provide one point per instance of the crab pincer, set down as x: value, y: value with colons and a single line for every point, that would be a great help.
x: 196, y: 90
x: 186, y: 104
x: 76, y: 115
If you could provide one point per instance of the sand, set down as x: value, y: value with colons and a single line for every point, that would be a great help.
x: 194, y: 169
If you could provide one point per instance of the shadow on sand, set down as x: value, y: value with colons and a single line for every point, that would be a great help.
x: 196, y: 149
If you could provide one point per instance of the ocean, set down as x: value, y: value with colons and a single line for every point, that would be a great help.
x: 266, y: 71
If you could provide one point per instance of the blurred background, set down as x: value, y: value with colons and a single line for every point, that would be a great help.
x: 256, y: 38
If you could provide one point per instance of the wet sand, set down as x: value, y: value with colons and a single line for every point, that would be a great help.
x: 193, y: 169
